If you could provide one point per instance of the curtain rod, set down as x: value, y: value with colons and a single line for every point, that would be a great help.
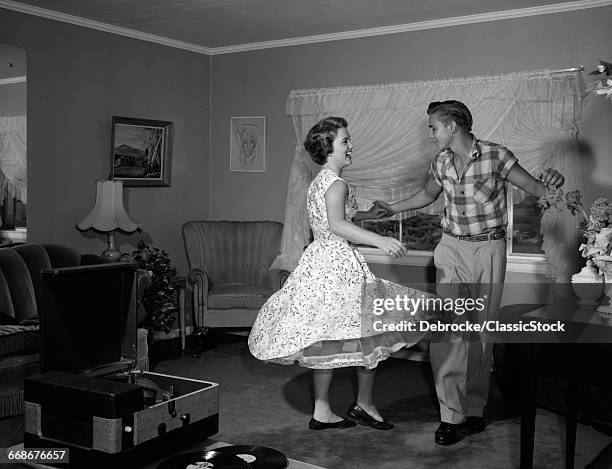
x: 579, y: 68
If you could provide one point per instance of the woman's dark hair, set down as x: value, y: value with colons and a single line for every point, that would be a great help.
x: 452, y: 110
x: 320, y: 139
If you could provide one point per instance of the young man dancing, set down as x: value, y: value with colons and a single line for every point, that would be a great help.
x: 472, y: 175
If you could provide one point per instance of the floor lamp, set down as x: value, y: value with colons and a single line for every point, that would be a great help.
x: 108, y: 215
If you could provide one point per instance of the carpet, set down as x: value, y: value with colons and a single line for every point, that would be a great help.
x: 270, y: 405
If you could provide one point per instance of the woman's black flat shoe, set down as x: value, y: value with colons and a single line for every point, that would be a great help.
x: 316, y: 425
x: 357, y: 413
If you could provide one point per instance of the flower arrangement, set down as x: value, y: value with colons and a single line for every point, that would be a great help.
x: 158, y: 298
x: 604, y: 84
x: 596, y: 226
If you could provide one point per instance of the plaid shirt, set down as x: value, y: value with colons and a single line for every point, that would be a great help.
x: 476, y: 203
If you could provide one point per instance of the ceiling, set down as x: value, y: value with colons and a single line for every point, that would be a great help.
x: 216, y: 24
x: 225, y: 26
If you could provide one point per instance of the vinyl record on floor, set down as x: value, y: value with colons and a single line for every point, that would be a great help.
x: 258, y: 457
x: 204, y: 460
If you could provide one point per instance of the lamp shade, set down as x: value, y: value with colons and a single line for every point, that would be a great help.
x: 108, y: 213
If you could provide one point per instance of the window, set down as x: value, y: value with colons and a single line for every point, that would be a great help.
x: 14, y: 222
x: 422, y: 232
x: 418, y: 231
x: 524, y: 221
x: 12, y: 213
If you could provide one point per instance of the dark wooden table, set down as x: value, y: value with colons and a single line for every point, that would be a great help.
x: 588, y: 360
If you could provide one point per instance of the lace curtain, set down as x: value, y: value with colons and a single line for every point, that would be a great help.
x: 535, y: 114
x: 13, y: 166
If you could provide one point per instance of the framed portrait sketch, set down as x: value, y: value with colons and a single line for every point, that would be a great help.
x: 141, y: 151
x: 248, y: 144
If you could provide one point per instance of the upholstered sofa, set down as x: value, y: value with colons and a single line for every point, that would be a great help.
x: 229, y: 270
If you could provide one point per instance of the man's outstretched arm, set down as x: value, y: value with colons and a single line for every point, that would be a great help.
x: 525, y: 181
x: 421, y: 198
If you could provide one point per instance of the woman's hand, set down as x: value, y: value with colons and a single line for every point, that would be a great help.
x: 392, y: 247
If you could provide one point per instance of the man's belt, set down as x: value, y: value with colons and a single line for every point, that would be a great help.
x: 479, y: 237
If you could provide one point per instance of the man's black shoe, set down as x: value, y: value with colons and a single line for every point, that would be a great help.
x: 446, y: 434
x: 474, y: 424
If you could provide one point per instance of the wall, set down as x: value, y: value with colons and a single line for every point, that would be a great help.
x: 13, y: 99
x: 78, y: 79
x: 258, y: 83
x: 82, y: 77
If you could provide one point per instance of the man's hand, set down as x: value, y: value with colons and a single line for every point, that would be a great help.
x: 382, y: 209
x: 551, y: 177
x: 375, y: 212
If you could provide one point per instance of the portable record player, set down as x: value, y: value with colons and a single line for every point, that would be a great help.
x: 90, y: 398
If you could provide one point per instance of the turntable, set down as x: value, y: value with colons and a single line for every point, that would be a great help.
x: 90, y: 398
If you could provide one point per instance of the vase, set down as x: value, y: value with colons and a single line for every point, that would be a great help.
x: 588, y: 286
x: 605, y: 308
x: 608, y: 286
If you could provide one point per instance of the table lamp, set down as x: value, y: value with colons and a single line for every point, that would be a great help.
x: 108, y: 215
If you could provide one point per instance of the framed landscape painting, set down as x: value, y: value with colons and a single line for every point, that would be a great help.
x: 141, y: 151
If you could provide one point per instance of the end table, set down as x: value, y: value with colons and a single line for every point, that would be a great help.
x: 180, y: 284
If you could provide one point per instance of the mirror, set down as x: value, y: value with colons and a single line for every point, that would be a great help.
x: 13, y: 144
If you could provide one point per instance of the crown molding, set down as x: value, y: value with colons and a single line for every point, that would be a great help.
x: 360, y: 33
x: 87, y: 23
x: 421, y: 25
x: 10, y: 81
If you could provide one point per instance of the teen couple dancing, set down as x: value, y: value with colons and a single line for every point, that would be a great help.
x: 316, y: 319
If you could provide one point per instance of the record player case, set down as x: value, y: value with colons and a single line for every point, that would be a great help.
x: 109, y: 415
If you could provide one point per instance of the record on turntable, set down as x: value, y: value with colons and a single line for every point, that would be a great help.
x: 204, y: 460
x: 258, y: 457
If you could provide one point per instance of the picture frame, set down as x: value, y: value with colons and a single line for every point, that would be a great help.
x: 248, y: 144
x: 141, y: 151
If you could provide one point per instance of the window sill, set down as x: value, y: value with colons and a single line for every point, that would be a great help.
x: 18, y: 235
x: 416, y: 258
x: 526, y: 264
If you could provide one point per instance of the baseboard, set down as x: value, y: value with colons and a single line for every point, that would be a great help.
x: 173, y: 334
x: 176, y: 333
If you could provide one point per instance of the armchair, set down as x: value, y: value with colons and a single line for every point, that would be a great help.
x: 229, y: 271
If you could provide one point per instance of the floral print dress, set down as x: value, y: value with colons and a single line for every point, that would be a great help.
x: 318, y: 319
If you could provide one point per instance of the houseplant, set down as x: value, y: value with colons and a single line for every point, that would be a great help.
x: 596, y: 228
x: 158, y: 298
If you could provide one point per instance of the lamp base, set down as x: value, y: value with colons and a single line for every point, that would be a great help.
x: 110, y: 255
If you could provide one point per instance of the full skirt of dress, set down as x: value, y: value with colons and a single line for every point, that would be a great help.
x: 323, y: 318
